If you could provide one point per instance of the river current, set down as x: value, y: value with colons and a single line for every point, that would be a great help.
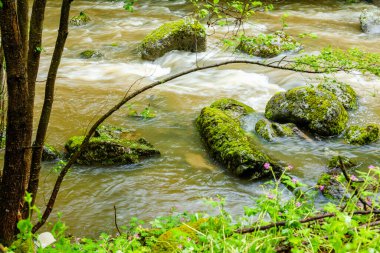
x: 184, y: 174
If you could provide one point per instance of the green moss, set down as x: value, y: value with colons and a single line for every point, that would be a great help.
x: 358, y: 135
x: 23, y: 246
x: 344, y: 92
x: 81, y: 19
x: 319, y: 111
x: 87, y: 54
x: 229, y: 144
x: 269, y: 45
x: 170, y: 240
x: 232, y: 107
x: 183, y: 34
x: 334, y: 162
x: 108, y: 149
x: 49, y: 153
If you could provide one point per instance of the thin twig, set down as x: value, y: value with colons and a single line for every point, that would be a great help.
x: 115, y: 217
x: 306, y: 220
x: 349, y: 181
x: 371, y: 224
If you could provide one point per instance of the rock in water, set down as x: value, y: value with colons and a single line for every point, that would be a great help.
x: 184, y: 34
x: 269, y: 45
x: 230, y: 145
x: 49, y: 153
x: 370, y: 20
x: 362, y: 135
x: 79, y: 20
x: 270, y: 131
x: 318, y: 111
x: 106, y: 149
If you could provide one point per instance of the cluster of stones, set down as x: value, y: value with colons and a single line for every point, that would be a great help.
x: 320, y: 110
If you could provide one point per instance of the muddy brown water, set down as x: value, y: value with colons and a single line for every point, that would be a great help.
x: 184, y: 175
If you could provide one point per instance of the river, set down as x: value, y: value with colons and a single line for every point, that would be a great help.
x: 184, y: 174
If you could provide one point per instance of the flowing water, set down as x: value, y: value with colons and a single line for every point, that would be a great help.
x: 184, y: 174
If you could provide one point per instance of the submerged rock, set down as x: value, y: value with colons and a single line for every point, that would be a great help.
x: 370, y: 21
x: 87, y: 54
x: 362, y: 135
x: 318, y: 111
x: 81, y: 19
x: 270, y: 130
x: 184, y: 34
x: 49, y: 153
x: 344, y: 93
x: 269, y: 45
x: 230, y: 145
x: 334, y: 162
x: 108, y: 149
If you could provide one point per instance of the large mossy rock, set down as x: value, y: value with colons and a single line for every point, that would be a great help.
x: 81, y: 19
x: 370, y: 21
x: 270, y: 130
x: 318, y: 111
x: 362, y: 135
x: 108, y: 149
x: 344, y: 93
x: 229, y: 144
x: 184, y: 34
x: 269, y: 45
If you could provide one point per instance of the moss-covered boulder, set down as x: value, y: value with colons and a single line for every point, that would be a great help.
x: 232, y: 107
x: 184, y: 34
x: 229, y: 144
x: 270, y: 130
x: 87, y: 54
x: 370, y: 20
x: 344, y: 93
x: 362, y: 135
x: 316, y: 110
x: 81, y: 19
x: 269, y: 45
x: 49, y: 153
x: 107, y: 149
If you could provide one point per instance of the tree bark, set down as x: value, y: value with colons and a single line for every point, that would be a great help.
x: 18, y: 137
x: 33, y: 62
x: 49, y: 98
x: 23, y: 21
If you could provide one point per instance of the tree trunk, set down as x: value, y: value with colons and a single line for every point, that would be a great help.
x: 19, y: 131
x: 35, y: 41
x: 49, y: 98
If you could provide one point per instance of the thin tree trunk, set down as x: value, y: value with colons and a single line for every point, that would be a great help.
x: 2, y: 100
x: 23, y: 22
x: 18, y: 137
x: 34, y: 55
x: 49, y: 98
